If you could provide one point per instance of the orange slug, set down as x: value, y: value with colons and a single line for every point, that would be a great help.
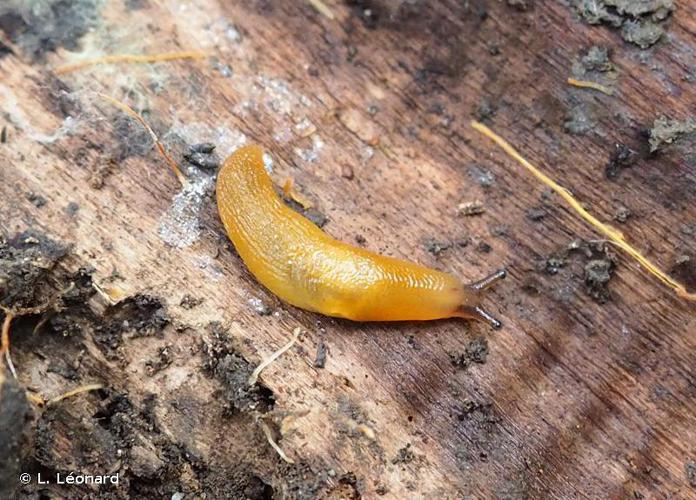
x: 309, y: 269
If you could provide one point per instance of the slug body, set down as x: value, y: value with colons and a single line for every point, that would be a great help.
x: 306, y: 267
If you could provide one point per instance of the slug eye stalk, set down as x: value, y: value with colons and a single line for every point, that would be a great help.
x: 476, y: 311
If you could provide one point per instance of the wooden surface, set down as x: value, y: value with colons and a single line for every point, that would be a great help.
x: 575, y: 399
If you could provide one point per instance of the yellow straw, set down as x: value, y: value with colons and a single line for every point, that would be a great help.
x: 612, y: 234
x: 130, y: 58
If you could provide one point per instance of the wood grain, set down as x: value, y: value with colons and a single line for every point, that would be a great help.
x: 576, y: 398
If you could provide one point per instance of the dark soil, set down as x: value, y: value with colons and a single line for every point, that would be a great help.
x: 14, y: 415
x: 640, y: 22
x: 479, y: 421
x: 26, y: 262
x: 590, y: 262
x: 233, y: 372
x: 118, y: 429
x: 56, y: 24
x: 666, y: 131
x: 476, y: 352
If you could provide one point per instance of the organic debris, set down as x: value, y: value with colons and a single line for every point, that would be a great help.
x: 14, y: 411
x: 641, y: 21
x: 130, y: 58
x: 666, y: 131
x: 269, y: 437
x: 202, y: 156
x: 470, y: 208
x: 270, y: 359
x: 476, y: 352
x: 322, y: 8
x: 615, y: 236
x: 590, y: 85
x: 124, y: 107
x: 320, y: 358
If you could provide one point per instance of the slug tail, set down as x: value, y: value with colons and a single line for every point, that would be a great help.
x: 475, y: 311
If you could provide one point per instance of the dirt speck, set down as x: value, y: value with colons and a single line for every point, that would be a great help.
x: 161, y: 361
x: 202, y: 156
x: 642, y: 33
x: 437, y: 247
x: 520, y: 5
x: 470, y: 208
x: 684, y: 270
x: 260, y: 307
x: 666, y: 131
x: 622, y: 157
x: 475, y: 352
x: 72, y: 208
x: 405, y: 455
x: 347, y: 171
x: 36, y: 199
x: 622, y: 214
x: 485, y: 110
x: 188, y: 301
x: 690, y: 471
x: 26, y: 261
x: 320, y: 358
x: 368, y: 11
x: 480, y: 422
x: 597, y: 59
x: 481, y: 176
x: 592, y: 262
x: 598, y: 272
x: 483, y: 247
x: 536, y: 213
x: 641, y: 22
x: 580, y: 119
x: 137, y: 316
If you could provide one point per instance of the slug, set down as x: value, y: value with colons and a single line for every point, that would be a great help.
x: 309, y: 269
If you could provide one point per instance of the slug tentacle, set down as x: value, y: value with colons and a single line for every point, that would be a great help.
x: 489, y: 280
x: 309, y: 269
x: 471, y: 307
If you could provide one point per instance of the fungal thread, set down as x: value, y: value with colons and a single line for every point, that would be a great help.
x: 270, y: 359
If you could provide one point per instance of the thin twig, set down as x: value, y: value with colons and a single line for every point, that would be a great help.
x: 127, y: 109
x: 322, y: 8
x: 612, y: 234
x: 585, y: 84
x: 74, y: 392
x: 5, y: 342
x: 130, y: 58
x: 37, y: 399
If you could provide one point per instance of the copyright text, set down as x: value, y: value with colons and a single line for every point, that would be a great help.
x: 70, y: 478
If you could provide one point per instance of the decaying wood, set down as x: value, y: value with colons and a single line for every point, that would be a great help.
x: 588, y: 390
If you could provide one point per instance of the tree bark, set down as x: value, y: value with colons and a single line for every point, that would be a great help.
x: 588, y: 390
